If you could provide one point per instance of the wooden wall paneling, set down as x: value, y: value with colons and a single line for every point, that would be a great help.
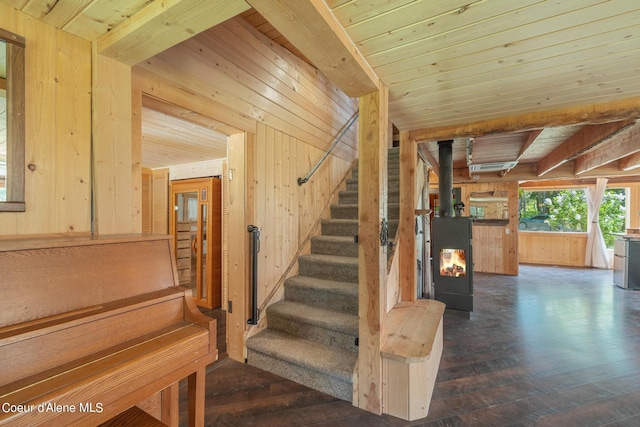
x: 112, y: 146
x: 225, y: 235
x: 240, y: 155
x: 278, y: 213
x: 73, y: 128
x: 373, y: 258
x: 57, y: 144
x: 634, y: 206
x: 260, y: 195
x: 549, y: 248
x: 252, y: 97
x: 169, y: 90
x: 136, y: 159
x: 147, y: 201
x: 495, y: 248
x: 41, y: 139
x: 288, y: 245
x: 303, y: 196
x: 267, y: 218
x: 512, y: 260
x: 299, y: 92
x: 278, y: 111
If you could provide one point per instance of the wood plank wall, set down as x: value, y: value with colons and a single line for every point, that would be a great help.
x: 284, y: 211
x: 538, y: 247
x: 57, y: 129
x: 246, y: 79
x: 495, y: 248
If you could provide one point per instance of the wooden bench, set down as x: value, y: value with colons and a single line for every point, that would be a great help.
x: 410, y: 357
x: 91, y: 327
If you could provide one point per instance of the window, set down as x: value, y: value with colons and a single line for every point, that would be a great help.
x: 566, y: 211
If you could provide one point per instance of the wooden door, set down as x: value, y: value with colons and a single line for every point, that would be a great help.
x: 196, y: 224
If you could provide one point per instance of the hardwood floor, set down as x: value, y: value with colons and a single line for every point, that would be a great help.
x: 551, y: 347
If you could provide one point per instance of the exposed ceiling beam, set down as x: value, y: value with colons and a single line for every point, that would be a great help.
x: 313, y: 29
x: 531, y: 138
x: 435, y: 166
x: 163, y: 24
x: 568, y: 183
x: 527, y: 172
x: 594, y: 113
x: 585, y: 139
x: 620, y: 145
x: 630, y: 162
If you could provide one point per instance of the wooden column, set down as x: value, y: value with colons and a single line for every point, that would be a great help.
x: 372, y: 189
x: 407, y: 249
x: 112, y: 149
x: 240, y: 166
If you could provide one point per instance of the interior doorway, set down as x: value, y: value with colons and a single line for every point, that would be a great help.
x: 196, y: 224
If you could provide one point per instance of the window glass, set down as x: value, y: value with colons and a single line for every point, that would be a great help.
x: 566, y: 211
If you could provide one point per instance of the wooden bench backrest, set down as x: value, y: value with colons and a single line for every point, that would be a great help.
x: 42, y: 278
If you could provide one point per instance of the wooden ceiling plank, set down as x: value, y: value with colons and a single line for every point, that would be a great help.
x: 584, y: 114
x: 533, y: 135
x: 163, y: 24
x: 312, y: 28
x: 585, y: 139
x: 57, y: 13
x: 620, y: 145
x: 630, y: 162
x: 531, y: 138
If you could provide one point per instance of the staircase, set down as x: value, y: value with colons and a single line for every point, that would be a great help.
x: 311, y: 334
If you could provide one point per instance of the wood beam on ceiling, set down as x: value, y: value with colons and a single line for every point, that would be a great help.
x: 314, y: 30
x: 585, y: 139
x: 163, y: 24
x: 527, y: 172
x: 586, y: 114
x: 577, y: 183
x: 620, y: 145
x: 531, y: 138
x: 435, y: 166
x: 630, y: 162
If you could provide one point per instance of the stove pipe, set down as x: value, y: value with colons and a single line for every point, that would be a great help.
x: 445, y: 189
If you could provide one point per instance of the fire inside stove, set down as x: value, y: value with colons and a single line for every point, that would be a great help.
x: 453, y: 263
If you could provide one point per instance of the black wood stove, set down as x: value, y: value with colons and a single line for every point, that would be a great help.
x: 453, y: 262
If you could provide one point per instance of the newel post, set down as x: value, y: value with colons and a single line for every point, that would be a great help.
x: 372, y: 200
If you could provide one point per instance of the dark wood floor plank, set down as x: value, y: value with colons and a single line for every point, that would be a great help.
x: 550, y: 347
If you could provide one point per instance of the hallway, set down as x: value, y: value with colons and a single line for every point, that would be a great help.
x: 551, y: 347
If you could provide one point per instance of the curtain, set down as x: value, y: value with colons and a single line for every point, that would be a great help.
x: 596, y: 252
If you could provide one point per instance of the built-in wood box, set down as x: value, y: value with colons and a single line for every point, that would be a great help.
x: 411, y: 357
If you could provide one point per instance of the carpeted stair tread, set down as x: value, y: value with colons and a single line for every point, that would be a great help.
x: 329, y: 267
x: 334, y: 245
x: 297, y: 351
x: 340, y: 227
x: 321, y: 317
x: 337, y: 295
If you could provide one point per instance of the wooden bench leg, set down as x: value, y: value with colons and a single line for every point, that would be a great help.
x: 170, y: 405
x: 196, y: 389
